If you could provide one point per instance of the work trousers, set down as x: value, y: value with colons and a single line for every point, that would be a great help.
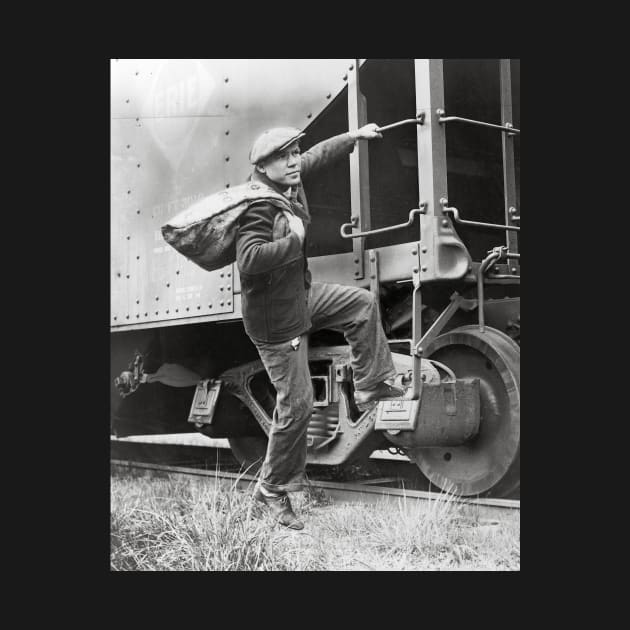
x: 350, y: 310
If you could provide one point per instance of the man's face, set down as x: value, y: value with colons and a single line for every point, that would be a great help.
x: 283, y: 167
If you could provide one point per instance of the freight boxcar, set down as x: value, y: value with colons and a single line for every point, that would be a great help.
x: 428, y: 218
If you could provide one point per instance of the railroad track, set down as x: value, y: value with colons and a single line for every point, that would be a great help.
x: 366, y: 491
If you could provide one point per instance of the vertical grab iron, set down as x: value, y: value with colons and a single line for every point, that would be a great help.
x: 359, y: 169
x: 432, y: 185
x: 509, y: 175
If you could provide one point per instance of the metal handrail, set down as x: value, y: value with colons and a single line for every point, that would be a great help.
x: 457, y: 218
x: 355, y: 220
x: 418, y: 120
x: 505, y: 128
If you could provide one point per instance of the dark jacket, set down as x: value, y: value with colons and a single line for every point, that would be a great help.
x: 272, y: 264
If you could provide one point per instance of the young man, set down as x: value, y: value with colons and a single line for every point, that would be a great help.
x: 280, y: 306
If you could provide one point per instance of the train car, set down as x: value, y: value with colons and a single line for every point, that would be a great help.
x: 427, y: 218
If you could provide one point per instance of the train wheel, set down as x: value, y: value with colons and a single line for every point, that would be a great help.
x: 249, y: 452
x: 489, y: 464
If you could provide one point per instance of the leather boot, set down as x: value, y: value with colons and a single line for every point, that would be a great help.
x: 382, y: 391
x: 281, y: 509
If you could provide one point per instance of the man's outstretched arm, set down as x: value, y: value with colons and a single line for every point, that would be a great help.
x: 330, y: 150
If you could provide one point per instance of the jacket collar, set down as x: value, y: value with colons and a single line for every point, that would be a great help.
x: 261, y: 177
x: 297, y: 197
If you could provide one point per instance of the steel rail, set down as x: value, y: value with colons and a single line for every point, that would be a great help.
x: 344, y: 492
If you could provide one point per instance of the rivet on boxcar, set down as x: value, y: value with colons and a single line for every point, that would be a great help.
x: 137, y: 301
x: 115, y: 318
x: 129, y: 146
x: 177, y: 272
x: 157, y: 298
x: 137, y: 315
x: 356, y: 261
x: 513, y: 269
x: 372, y: 276
x: 345, y: 77
x: 209, y: 305
x: 227, y: 106
x: 414, y: 252
x: 226, y: 79
x: 137, y: 73
x: 146, y: 314
x: 229, y: 274
x: 127, y: 275
x: 309, y: 115
x: 198, y: 307
x: 372, y: 259
x: 328, y: 95
x: 127, y: 316
x: 137, y: 211
x: 137, y: 119
x: 221, y: 302
x: 497, y: 269
x: 187, y: 308
x: 127, y: 101
x: 227, y: 185
x: 227, y: 133
x: 167, y: 311
x: 156, y: 312
x: 351, y: 67
x: 118, y: 274
x: 356, y: 273
x: 128, y: 192
x: 137, y: 257
x: 512, y: 210
x: 177, y: 310
x: 447, y: 457
x: 424, y: 267
x: 444, y: 222
x: 128, y: 237
x: 221, y: 288
x: 415, y: 269
x: 138, y: 165
x: 168, y: 284
x: 423, y: 249
x: 221, y: 274
x: 229, y: 303
x: 227, y: 158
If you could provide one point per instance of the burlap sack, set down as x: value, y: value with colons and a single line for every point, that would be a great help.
x: 206, y: 231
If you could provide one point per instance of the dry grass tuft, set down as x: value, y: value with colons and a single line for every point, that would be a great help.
x: 182, y: 524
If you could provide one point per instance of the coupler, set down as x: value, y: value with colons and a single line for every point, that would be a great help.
x: 447, y: 414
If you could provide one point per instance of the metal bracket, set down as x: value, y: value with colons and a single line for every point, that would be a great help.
x: 436, y: 328
x: 374, y: 277
x: 397, y: 414
x: 204, y: 401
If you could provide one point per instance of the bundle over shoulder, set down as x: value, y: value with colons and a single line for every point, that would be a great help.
x: 205, y: 232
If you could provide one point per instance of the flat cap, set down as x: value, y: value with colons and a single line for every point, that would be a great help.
x: 273, y: 140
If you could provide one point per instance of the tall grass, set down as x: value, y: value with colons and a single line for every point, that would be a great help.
x: 182, y: 524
